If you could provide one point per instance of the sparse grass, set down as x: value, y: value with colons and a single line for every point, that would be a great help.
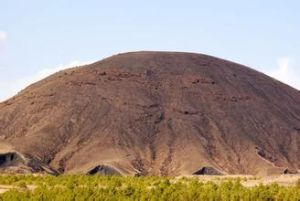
x: 79, y: 187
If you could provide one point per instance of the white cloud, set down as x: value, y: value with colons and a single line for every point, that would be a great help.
x: 3, y: 36
x: 12, y: 87
x: 287, y: 72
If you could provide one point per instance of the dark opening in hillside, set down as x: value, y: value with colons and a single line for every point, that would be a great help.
x: 9, y: 159
x: 207, y: 171
x: 103, y: 170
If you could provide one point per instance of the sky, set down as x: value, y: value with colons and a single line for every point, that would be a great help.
x: 39, y: 37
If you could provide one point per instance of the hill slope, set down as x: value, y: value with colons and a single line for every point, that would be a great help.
x: 157, y: 113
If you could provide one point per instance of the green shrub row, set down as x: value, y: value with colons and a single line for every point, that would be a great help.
x: 115, y: 188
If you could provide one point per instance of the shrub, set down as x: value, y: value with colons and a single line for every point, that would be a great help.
x: 79, y: 187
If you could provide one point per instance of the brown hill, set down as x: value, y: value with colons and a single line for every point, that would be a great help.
x: 158, y: 113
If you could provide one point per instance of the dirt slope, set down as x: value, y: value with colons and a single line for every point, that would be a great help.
x: 158, y: 113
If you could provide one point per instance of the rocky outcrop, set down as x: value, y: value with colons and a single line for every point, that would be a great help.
x: 103, y: 170
x: 207, y: 171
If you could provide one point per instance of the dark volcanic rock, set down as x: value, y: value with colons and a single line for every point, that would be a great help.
x: 157, y: 113
x: 207, y: 171
x: 103, y: 170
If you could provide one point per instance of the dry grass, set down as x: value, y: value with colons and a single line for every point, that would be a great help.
x: 251, y: 181
x: 5, y: 188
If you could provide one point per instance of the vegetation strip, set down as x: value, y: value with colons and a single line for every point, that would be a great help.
x: 80, y: 187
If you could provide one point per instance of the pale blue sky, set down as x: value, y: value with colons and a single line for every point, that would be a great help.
x: 38, y: 37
